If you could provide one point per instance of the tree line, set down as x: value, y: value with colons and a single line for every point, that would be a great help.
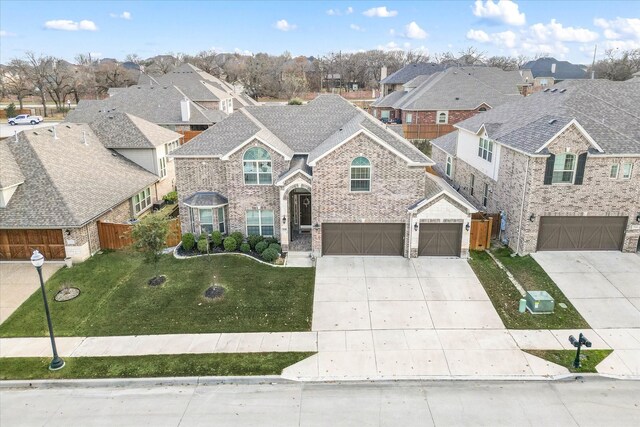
x: 52, y: 79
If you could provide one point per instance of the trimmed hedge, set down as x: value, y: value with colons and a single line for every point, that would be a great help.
x: 254, y: 239
x: 261, y: 246
x: 270, y: 255
x: 230, y: 244
x: 237, y: 236
x: 245, y: 248
x: 188, y: 241
x: 216, y: 238
x: 203, y: 244
x: 276, y: 246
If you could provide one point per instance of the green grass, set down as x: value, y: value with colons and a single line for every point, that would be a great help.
x: 116, y: 300
x: 179, y: 365
x: 505, y: 297
x: 589, y: 359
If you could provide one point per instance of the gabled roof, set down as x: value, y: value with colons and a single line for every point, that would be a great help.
x: 123, y: 130
x: 10, y: 173
x: 541, y: 67
x: 447, y: 143
x: 463, y: 88
x: 156, y: 104
x: 609, y: 113
x: 435, y: 187
x: 389, y: 100
x: 68, y: 183
x: 298, y: 163
x: 409, y: 71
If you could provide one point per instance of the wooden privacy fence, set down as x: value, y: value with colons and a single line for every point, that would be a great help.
x: 426, y: 131
x: 118, y: 236
x: 187, y: 135
x: 480, y: 238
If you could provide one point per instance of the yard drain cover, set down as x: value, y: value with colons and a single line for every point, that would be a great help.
x: 67, y: 294
x: 214, y: 292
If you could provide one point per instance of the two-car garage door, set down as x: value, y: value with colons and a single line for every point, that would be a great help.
x: 363, y: 239
x: 586, y: 233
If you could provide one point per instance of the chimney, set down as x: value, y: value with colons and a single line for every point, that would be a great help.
x: 553, y: 68
x: 55, y: 135
x: 84, y: 137
x: 185, y: 110
x: 383, y: 72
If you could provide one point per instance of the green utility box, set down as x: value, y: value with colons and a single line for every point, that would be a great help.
x: 539, y: 302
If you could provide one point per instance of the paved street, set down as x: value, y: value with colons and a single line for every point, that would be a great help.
x: 7, y: 130
x: 588, y: 402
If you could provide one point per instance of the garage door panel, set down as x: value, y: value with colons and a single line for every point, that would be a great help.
x: 440, y: 239
x: 577, y: 233
x: 362, y: 239
x: 19, y: 244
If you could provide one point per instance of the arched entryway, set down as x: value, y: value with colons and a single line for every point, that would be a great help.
x: 297, y: 222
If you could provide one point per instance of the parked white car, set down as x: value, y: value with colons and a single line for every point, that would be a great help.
x: 24, y: 119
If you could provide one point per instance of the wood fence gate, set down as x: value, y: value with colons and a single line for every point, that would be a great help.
x: 118, y: 236
x: 480, y: 238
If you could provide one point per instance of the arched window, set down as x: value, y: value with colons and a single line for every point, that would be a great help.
x: 564, y: 169
x: 360, y: 174
x: 256, y: 165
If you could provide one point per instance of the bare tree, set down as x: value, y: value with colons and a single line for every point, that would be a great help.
x: 112, y: 74
x: 618, y: 65
x: 38, y: 74
x: 60, y: 79
x: 17, y: 80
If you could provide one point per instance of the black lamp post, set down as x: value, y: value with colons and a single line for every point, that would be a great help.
x: 37, y: 259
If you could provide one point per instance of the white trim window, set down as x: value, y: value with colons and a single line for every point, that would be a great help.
x: 449, y: 167
x: 615, y: 168
x: 384, y: 114
x: 206, y: 220
x: 171, y: 146
x: 473, y: 184
x: 142, y: 201
x: 256, y: 166
x: 442, y: 117
x: 260, y: 222
x: 564, y: 169
x: 221, y: 223
x: 163, y: 167
x: 485, y: 195
x: 485, y: 149
x: 360, y: 175
x: 409, y: 118
x: 627, y: 169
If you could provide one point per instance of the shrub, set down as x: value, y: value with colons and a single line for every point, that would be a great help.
x: 270, y: 255
x: 295, y: 101
x: 238, y: 237
x: 171, y: 197
x: 245, y: 248
x: 254, y: 239
x: 188, y: 241
x: 275, y: 246
x: 203, y: 244
x: 216, y: 238
x: 230, y: 244
x: 271, y: 240
x: 261, y: 246
x: 11, y: 110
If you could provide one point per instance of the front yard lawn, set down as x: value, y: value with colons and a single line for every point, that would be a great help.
x: 505, y: 297
x: 176, y: 365
x: 116, y: 300
x: 589, y: 359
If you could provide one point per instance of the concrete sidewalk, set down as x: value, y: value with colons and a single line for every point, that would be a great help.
x: 376, y: 354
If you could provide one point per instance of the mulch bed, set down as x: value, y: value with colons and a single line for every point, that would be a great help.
x: 67, y: 294
x: 214, y: 292
x: 217, y: 250
x: 157, y: 281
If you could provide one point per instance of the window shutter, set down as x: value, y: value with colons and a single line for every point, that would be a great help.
x: 582, y: 160
x: 548, y: 173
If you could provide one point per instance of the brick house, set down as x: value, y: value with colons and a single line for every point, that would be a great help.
x: 562, y: 165
x: 56, y: 183
x: 548, y: 71
x: 396, y: 81
x: 323, y: 177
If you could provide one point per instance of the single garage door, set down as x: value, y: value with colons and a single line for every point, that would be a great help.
x: 362, y: 239
x: 20, y: 244
x: 440, y: 239
x: 581, y: 233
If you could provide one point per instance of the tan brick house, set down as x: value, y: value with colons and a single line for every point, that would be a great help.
x: 563, y: 165
x: 322, y: 177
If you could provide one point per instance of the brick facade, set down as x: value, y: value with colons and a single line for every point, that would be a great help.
x: 429, y: 117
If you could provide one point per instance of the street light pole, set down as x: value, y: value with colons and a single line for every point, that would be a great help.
x: 37, y: 259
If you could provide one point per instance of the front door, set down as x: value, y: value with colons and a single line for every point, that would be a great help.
x: 305, y: 211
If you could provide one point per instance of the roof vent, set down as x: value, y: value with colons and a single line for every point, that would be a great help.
x: 546, y: 90
x: 554, y: 90
x: 35, y: 133
x: 68, y: 127
x: 552, y: 121
x: 15, y: 132
x: 55, y: 135
x: 457, y: 98
x: 563, y: 90
x: 84, y: 137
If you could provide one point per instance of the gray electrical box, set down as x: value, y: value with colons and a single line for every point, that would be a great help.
x: 539, y: 302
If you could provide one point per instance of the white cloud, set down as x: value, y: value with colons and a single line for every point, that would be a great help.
x: 124, y: 15
x: 4, y: 33
x: 555, y: 31
x: 413, y: 31
x: 380, y: 12
x: 283, y: 25
x: 333, y: 12
x: 243, y: 51
x: 391, y: 46
x: 406, y: 46
x: 69, y: 25
x: 96, y: 54
x: 338, y: 12
x: 356, y: 27
x: 504, y: 11
x: 478, y: 35
x: 620, y: 28
x: 504, y: 39
x: 349, y: 10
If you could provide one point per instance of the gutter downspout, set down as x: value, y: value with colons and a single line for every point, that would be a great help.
x: 524, y: 192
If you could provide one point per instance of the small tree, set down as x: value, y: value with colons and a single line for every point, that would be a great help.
x: 149, y: 236
x: 11, y: 110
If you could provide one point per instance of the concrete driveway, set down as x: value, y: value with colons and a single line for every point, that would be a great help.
x: 377, y: 293
x: 603, y: 286
x: 18, y: 280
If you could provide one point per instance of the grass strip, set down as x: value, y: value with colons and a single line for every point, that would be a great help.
x: 589, y: 359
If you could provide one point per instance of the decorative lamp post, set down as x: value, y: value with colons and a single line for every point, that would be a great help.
x: 37, y: 259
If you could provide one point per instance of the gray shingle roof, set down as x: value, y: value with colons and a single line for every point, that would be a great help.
x: 447, y: 142
x: 389, y: 100
x: 297, y: 163
x: 541, y: 67
x: 206, y: 198
x: 408, y: 72
x: 68, y: 183
x: 463, y: 88
x: 156, y: 104
x: 608, y: 111
x: 10, y: 173
x: 122, y: 130
x: 435, y: 185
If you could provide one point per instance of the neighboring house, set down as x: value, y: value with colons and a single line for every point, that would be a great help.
x: 57, y: 182
x: 549, y: 71
x: 448, y: 97
x: 395, y: 81
x: 323, y: 177
x: 563, y: 165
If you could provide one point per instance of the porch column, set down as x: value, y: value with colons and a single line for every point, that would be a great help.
x: 284, y: 225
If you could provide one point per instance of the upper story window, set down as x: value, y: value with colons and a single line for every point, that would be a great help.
x: 256, y: 165
x: 442, y: 117
x: 163, y: 167
x: 564, y: 169
x: 169, y: 147
x: 614, y: 171
x: 627, y: 168
x: 485, y: 149
x: 449, y: 166
x: 360, y: 174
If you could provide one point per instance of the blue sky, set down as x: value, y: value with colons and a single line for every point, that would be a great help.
x: 564, y: 29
